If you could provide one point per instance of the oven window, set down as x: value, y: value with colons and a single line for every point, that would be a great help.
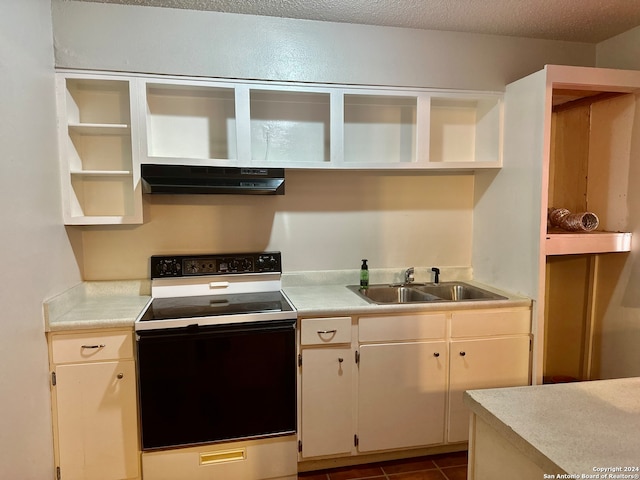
x: 208, y: 384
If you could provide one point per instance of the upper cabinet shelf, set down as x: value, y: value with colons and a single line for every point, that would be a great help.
x: 99, y: 129
x: 243, y: 123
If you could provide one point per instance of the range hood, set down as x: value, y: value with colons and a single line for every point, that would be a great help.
x: 185, y: 179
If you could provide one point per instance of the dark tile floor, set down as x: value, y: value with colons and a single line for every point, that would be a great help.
x: 447, y: 466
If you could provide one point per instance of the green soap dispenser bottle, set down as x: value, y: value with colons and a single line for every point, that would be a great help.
x: 364, y: 274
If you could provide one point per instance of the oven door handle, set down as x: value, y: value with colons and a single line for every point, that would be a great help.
x: 223, y: 329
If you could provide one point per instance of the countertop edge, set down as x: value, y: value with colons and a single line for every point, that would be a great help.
x: 515, y: 439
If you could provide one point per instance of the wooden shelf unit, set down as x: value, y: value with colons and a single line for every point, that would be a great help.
x: 590, y: 158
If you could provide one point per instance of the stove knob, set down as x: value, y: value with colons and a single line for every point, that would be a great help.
x: 261, y: 263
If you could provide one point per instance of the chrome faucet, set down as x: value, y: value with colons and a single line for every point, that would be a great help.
x: 408, y: 275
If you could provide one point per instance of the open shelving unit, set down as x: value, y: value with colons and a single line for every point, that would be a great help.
x: 111, y: 123
x: 190, y: 121
x: 589, y: 166
x: 465, y: 129
x: 99, y: 168
x: 380, y: 129
x: 315, y: 126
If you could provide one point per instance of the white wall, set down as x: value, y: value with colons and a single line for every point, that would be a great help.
x: 36, y: 257
x: 164, y: 40
x: 617, y: 353
x: 37, y: 261
x: 621, y: 51
x: 326, y: 221
x: 395, y: 221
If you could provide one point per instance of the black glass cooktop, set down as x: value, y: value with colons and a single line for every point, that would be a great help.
x: 213, y: 305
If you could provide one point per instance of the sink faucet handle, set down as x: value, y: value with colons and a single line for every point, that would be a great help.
x: 437, y: 272
x: 409, y: 275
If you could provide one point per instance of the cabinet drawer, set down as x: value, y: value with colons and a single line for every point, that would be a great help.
x: 321, y: 331
x: 401, y: 327
x: 491, y: 322
x: 81, y: 347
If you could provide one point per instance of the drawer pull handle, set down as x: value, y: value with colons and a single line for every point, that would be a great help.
x: 462, y: 354
x: 321, y: 332
x: 102, y: 345
x: 436, y: 354
x: 225, y: 456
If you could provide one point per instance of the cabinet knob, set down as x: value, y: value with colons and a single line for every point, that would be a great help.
x: 340, y: 359
x: 436, y: 354
x: 462, y: 354
x: 120, y: 376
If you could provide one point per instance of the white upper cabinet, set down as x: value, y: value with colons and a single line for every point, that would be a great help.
x: 189, y: 121
x: 287, y: 125
x: 465, y: 129
x: 100, y: 172
x: 289, y: 128
x: 109, y: 124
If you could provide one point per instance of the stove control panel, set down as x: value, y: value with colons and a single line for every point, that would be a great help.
x: 164, y: 266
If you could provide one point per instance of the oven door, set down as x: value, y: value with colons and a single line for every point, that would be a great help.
x: 204, y: 384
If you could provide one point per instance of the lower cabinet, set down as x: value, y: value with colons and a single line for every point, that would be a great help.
x: 326, y: 366
x: 488, y: 349
x: 94, y: 406
x: 401, y: 395
x: 327, y: 409
x: 393, y: 382
x: 482, y: 363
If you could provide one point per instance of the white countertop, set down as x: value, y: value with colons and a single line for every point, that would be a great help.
x: 568, y: 428
x: 97, y: 305
x: 336, y: 299
x: 109, y: 304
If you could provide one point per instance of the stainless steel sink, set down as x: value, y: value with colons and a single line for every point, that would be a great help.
x: 458, y: 291
x: 424, y: 292
x: 394, y: 294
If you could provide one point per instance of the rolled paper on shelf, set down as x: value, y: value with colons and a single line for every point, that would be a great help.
x: 573, y: 222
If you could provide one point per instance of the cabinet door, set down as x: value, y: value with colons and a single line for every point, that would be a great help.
x: 326, y: 410
x: 97, y: 420
x: 483, y: 363
x: 401, y: 396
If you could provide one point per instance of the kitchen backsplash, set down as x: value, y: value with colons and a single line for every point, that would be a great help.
x: 327, y: 220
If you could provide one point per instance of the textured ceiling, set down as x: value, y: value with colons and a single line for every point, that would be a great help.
x: 574, y: 20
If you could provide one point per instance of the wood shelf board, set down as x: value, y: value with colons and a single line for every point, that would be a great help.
x: 569, y: 243
x: 102, y: 173
x: 99, y: 128
x: 103, y: 220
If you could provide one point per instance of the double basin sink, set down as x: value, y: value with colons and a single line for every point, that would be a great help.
x: 423, y: 293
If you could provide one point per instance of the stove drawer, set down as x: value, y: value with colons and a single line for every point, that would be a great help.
x: 269, y: 458
x: 91, y: 347
x: 323, y: 331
